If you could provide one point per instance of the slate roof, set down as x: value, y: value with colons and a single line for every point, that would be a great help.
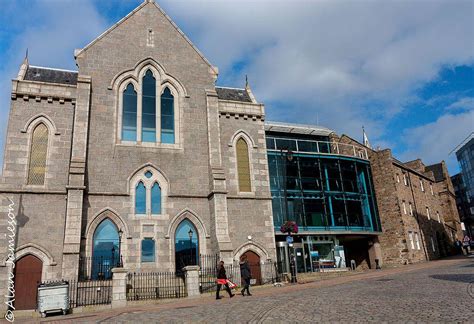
x: 437, y: 170
x: 233, y: 94
x: 35, y: 73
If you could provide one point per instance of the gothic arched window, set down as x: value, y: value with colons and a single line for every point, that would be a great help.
x: 129, y: 120
x: 38, y: 154
x: 186, y: 245
x: 147, y: 186
x: 167, y: 117
x: 149, y: 107
x: 156, y: 199
x: 105, y: 250
x: 243, y: 166
x: 140, y: 198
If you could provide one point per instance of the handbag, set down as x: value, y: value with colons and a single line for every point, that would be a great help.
x: 231, y: 284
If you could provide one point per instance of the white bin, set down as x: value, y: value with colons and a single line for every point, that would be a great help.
x: 53, y: 297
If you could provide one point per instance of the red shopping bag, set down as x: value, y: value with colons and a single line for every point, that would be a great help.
x: 231, y: 284
x: 221, y: 281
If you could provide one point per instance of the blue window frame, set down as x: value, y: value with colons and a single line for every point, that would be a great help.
x: 156, y: 199
x: 148, y: 250
x: 167, y: 117
x: 149, y: 108
x: 129, y: 120
x: 140, y: 198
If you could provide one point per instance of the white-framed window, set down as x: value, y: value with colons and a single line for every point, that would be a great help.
x: 433, y: 244
x: 404, y: 207
x: 417, y: 241
x: 431, y: 189
x: 405, y: 179
x: 148, y: 189
x: 422, y: 186
x: 410, y: 237
x: 398, y: 178
x: 148, y: 102
x: 438, y: 216
x: 410, y: 209
x: 428, y: 213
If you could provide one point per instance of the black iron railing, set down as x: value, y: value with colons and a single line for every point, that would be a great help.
x: 155, y: 285
x: 98, y: 268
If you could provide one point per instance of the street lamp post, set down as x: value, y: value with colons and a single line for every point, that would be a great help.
x: 120, y: 264
x: 190, y: 233
x: 288, y: 158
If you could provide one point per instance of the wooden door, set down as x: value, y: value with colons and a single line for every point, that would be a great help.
x: 27, y: 276
x: 254, y: 263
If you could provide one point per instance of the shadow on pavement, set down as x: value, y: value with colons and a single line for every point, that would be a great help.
x: 467, y: 278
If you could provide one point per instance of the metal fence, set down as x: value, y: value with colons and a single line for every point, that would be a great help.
x: 85, y: 293
x: 155, y: 285
x: 98, y: 268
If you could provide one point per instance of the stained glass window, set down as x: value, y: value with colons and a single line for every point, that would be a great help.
x: 243, y: 166
x: 38, y: 152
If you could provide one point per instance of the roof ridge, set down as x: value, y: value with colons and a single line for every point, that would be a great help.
x: 231, y: 88
x: 50, y: 68
x: 143, y: 4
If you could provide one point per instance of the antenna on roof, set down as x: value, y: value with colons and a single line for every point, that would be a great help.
x: 246, y: 81
x: 26, y: 55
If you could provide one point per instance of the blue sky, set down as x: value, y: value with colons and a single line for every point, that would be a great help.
x: 403, y: 69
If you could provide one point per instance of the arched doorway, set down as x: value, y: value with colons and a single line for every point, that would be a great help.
x: 186, y: 245
x: 28, y: 271
x: 254, y: 263
x: 105, y: 250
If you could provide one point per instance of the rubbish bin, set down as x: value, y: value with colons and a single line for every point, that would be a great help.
x: 53, y: 297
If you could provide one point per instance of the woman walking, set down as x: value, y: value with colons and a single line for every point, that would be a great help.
x: 245, y: 274
x: 222, y: 280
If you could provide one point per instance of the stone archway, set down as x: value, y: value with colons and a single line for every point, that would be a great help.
x: 254, y: 263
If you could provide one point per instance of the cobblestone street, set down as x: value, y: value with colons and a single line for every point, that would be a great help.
x: 440, y: 292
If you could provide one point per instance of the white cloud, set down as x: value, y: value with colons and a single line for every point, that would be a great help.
x: 53, y: 30
x: 344, y: 63
x: 435, y: 141
x: 332, y: 57
x: 466, y: 103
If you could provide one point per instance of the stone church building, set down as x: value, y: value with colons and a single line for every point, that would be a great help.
x: 136, y: 157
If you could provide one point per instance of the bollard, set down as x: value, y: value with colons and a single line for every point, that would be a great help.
x: 353, y: 264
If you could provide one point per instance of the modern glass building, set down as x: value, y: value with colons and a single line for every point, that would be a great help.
x: 465, y: 156
x: 326, y: 188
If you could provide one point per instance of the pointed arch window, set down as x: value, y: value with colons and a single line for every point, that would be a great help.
x: 243, y: 166
x: 148, y: 188
x: 140, y: 198
x: 105, y: 249
x: 167, y: 117
x: 149, y: 107
x: 129, y: 121
x: 38, y: 154
x: 186, y: 245
x: 156, y: 199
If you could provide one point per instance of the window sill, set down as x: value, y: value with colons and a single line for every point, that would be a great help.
x: 149, y: 145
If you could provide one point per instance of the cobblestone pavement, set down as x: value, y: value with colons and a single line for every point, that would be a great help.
x: 442, y: 293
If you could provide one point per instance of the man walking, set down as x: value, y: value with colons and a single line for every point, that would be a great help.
x: 245, y: 274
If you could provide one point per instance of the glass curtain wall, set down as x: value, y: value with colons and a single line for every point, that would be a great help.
x: 321, y: 192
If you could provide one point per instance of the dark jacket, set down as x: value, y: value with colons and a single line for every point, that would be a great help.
x: 245, y: 270
x: 221, y: 273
